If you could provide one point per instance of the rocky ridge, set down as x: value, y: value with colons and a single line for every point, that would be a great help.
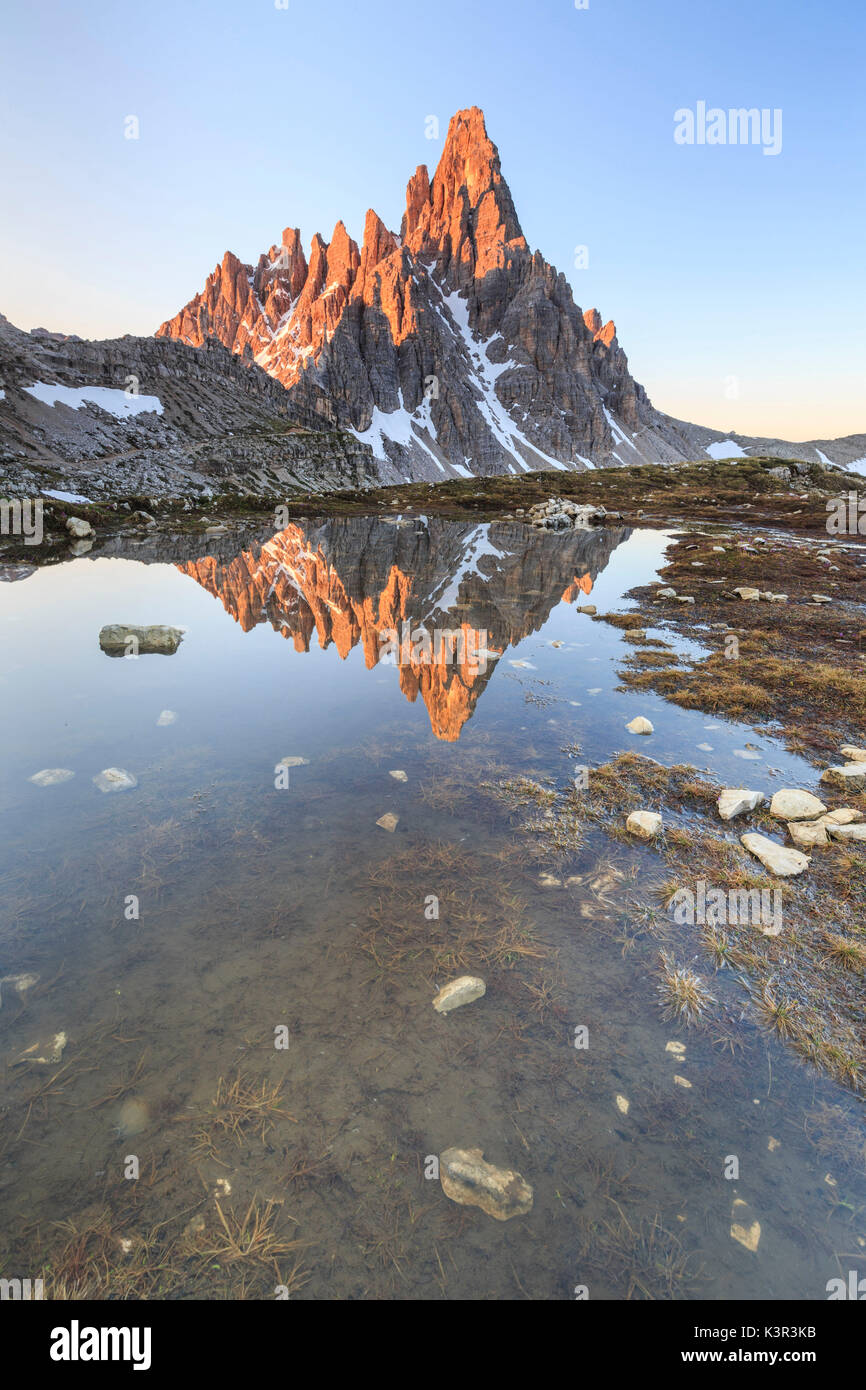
x: 450, y: 347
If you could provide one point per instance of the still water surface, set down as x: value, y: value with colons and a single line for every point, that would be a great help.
x: 263, y: 906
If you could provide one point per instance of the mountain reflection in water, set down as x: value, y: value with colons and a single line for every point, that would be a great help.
x: 351, y: 581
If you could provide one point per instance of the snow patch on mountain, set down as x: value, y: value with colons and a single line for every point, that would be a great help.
x: 109, y: 398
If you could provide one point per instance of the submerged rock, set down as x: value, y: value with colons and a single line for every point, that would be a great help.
x: 790, y: 803
x: 20, y: 983
x: 51, y: 776
x: 294, y: 762
x: 388, y: 821
x: 644, y: 824
x: 639, y: 725
x: 735, y: 801
x: 458, y: 992
x: 779, y: 859
x: 117, y: 639
x: 134, y: 1116
x: 115, y: 779
x: 168, y: 716
x: 398, y: 775
x: 744, y: 1229
x: 46, y: 1052
x: 467, y: 1179
x: 548, y: 880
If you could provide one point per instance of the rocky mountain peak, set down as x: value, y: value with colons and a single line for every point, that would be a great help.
x: 465, y: 218
x: 451, y: 348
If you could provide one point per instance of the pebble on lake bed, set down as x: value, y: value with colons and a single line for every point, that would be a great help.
x: 133, y: 1118
x: 470, y: 1181
x: 747, y: 1235
x: 398, y: 775
x: 47, y: 1052
x: 51, y: 776
x: 457, y: 992
x: 168, y: 716
x: 388, y: 821
x: 115, y: 779
x: 294, y: 762
x: 20, y: 983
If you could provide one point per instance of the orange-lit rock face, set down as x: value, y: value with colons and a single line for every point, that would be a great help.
x: 469, y: 341
x: 353, y: 583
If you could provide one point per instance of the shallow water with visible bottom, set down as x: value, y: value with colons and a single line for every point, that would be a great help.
x: 232, y: 918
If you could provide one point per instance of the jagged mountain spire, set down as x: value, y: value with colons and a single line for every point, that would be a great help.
x: 449, y: 348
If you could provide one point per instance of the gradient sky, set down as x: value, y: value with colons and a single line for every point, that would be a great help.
x: 736, y: 279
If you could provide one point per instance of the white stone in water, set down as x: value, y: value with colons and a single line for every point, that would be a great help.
x: 20, y: 983
x: 51, y: 776
x: 622, y: 1105
x: 745, y: 1234
x: 458, y: 992
x: 791, y: 803
x: 747, y: 754
x: 466, y: 1178
x: 547, y: 880
x: 779, y: 859
x: 639, y: 725
x: 849, y: 775
x: 294, y: 762
x: 115, y: 779
x: 47, y: 1052
x: 681, y: 1081
x: 388, y: 821
x: 677, y: 1048
x: 853, y: 754
x: 644, y: 824
x: 168, y: 716
x: 398, y: 775
x: 133, y: 1118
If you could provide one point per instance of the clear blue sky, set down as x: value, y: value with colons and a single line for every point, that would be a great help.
x: 715, y: 262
